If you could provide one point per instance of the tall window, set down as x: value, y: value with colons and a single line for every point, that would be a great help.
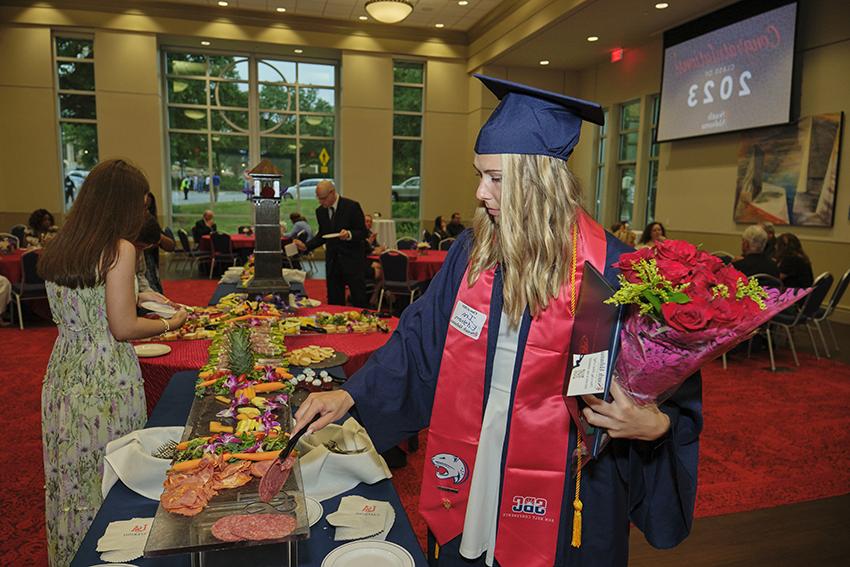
x: 408, y: 102
x: 226, y: 112
x: 652, y: 179
x: 74, y: 64
x: 600, y: 167
x: 627, y: 158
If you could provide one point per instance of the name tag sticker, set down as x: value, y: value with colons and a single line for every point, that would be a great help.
x: 588, y: 375
x: 468, y: 320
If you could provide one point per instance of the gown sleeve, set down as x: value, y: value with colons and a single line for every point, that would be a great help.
x: 394, y: 391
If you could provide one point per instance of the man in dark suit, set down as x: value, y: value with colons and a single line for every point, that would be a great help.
x: 203, y: 227
x: 754, y: 260
x: 345, y: 254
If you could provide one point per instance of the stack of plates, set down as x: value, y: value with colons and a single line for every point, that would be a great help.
x: 369, y: 553
x: 232, y: 275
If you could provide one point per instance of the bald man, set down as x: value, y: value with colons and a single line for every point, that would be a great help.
x: 204, y: 226
x: 345, y: 254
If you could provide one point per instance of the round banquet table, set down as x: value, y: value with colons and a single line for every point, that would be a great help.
x: 240, y: 241
x: 422, y: 267
x: 192, y: 355
x: 10, y: 265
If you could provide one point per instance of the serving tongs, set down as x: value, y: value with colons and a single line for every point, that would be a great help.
x: 276, y: 476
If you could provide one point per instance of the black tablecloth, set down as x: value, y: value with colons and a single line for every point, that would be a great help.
x: 122, y: 504
x: 224, y: 289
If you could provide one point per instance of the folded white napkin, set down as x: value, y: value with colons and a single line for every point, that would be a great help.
x: 327, y: 474
x: 124, y: 540
x: 291, y: 275
x: 359, y: 518
x: 129, y: 459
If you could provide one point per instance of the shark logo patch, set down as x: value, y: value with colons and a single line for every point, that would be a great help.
x: 449, y: 466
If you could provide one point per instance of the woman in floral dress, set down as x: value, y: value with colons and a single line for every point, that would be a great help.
x: 93, y: 391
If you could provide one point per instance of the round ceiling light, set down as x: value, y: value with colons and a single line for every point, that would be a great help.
x: 592, y: 38
x: 389, y: 11
x: 661, y: 5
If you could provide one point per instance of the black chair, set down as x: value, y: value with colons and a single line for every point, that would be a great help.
x: 396, y: 268
x: 406, y: 243
x: 446, y: 243
x: 20, y: 230
x: 764, y: 280
x: 426, y: 236
x: 824, y: 314
x: 222, y: 250
x: 31, y: 286
x: 169, y: 233
x: 186, y: 252
x: 807, y: 307
x: 723, y: 255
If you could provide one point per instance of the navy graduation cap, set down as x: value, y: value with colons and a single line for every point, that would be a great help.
x: 533, y: 121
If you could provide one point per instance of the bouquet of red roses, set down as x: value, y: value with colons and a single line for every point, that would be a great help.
x: 686, y: 308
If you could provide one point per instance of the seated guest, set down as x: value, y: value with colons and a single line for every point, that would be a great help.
x: 795, y: 268
x: 653, y: 233
x: 440, y: 232
x: 41, y: 228
x: 299, y: 225
x: 770, y: 246
x: 623, y: 233
x: 455, y: 227
x: 204, y: 226
x: 754, y: 260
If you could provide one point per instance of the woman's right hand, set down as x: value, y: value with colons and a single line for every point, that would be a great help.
x: 178, y: 319
x: 331, y: 405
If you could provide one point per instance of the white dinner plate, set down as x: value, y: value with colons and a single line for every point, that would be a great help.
x: 159, y: 308
x: 368, y: 553
x: 331, y: 235
x: 314, y: 510
x: 148, y: 350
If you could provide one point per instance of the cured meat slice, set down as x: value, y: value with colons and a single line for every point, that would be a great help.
x: 221, y: 529
x: 253, y: 527
x: 259, y: 468
x: 270, y: 487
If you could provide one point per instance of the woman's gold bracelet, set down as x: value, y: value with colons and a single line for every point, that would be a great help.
x: 167, y: 325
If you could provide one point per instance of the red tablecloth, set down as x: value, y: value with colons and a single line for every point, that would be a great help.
x: 10, y: 266
x: 422, y: 267
x: 239, y: 241
x: 191, y: 355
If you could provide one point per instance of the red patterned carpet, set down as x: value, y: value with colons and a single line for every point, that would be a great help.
x: 769, y: 439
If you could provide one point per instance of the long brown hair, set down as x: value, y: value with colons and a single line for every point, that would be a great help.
x: 540, y: 201
x: 787, y: 244
x: 110, y: 207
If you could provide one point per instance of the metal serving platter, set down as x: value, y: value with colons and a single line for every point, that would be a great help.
x: 173, y: 533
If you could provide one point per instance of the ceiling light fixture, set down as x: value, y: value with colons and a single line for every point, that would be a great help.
x: 205, y: 42
x: 661, y: 5
x: 544, y: 62
x: 462, y: 3
x: 223, y: 4
x: 281, y: 10
x: 389, y: 11
x: 592, y: 38
x: 439, y: 25
x: 363, y: 18
x: 298, y: 50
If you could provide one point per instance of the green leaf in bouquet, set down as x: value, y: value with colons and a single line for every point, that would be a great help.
x: 678, y: 297
x: 653, y: 300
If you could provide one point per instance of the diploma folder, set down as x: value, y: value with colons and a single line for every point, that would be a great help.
x: 596, y: 328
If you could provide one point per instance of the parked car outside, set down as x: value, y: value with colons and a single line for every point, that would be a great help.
x: 307, y: 187
x: 407, y: 190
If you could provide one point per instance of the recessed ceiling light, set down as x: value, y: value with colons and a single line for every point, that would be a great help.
x: 363, y: 18
x: 205, y: 43
x: 223, y: 4
x: 280, y: 9
x: 298, y: 50
x: 661, y: 5
x: 544, y: 62
x: 462, y: 3
x: 592, y: 38
x: 439, y: 25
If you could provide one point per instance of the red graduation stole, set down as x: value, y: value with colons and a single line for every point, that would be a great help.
x: 533, y: 484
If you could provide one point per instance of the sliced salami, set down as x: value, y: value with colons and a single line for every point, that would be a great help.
x: 257, y: 527
x: 221, y: 529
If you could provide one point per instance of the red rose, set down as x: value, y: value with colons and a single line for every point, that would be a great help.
x: 691, y: 316
x: 627, y: 261
x: 675, y: 272
x: 729, y: 276
x: 727, y: 311
x: 677, y: 250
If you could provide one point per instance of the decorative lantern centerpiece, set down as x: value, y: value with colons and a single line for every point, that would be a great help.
x: 268, y: 256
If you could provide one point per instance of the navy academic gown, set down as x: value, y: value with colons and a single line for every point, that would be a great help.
x: 652, y: 484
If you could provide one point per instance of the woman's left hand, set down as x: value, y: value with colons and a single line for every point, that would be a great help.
x: 625, y: 419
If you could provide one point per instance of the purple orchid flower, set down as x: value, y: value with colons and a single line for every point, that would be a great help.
x: 229, y: 412
x: 268, y: 419
x: 253, y: 448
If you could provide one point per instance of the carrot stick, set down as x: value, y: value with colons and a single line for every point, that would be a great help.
x: 185, y: 465
x: 269, y: 386
x: 264, y: 456
x: 243, y: 317
x: 206, y: 383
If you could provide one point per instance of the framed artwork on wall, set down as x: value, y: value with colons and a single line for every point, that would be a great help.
x: 788, y: 174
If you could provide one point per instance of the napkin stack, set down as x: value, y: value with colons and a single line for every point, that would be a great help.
x: 129, y: 458
x: 359, y: 518
x: 124, y: 541
x: 291, y: 275
x: 327, y: 473
x: 232, y: 275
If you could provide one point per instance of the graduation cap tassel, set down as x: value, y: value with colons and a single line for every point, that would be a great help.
x: 577, y: 505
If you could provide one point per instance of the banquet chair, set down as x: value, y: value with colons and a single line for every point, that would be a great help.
x: 723, y: 255
x: 764, y: 280
x: 8, y: 243
x: 824, y: 314
x: 426, y: 236
x: 31, y: 286
x: 406, y: 243
x: 20, y: 230
x: 803, y: 314
x: 307, y: 256
x: 446, y: 243
x: 186, y: 253
x: 290, y: 253
x: 396, y: 268
x: 222, y: 250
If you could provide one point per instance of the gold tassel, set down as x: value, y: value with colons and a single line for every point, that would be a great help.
x: 577, y: 505
x: 436, y: 550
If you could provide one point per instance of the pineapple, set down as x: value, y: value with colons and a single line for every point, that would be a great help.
x: 240, y: 355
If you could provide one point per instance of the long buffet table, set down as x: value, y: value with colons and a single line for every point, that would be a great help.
x: 173, y: 408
